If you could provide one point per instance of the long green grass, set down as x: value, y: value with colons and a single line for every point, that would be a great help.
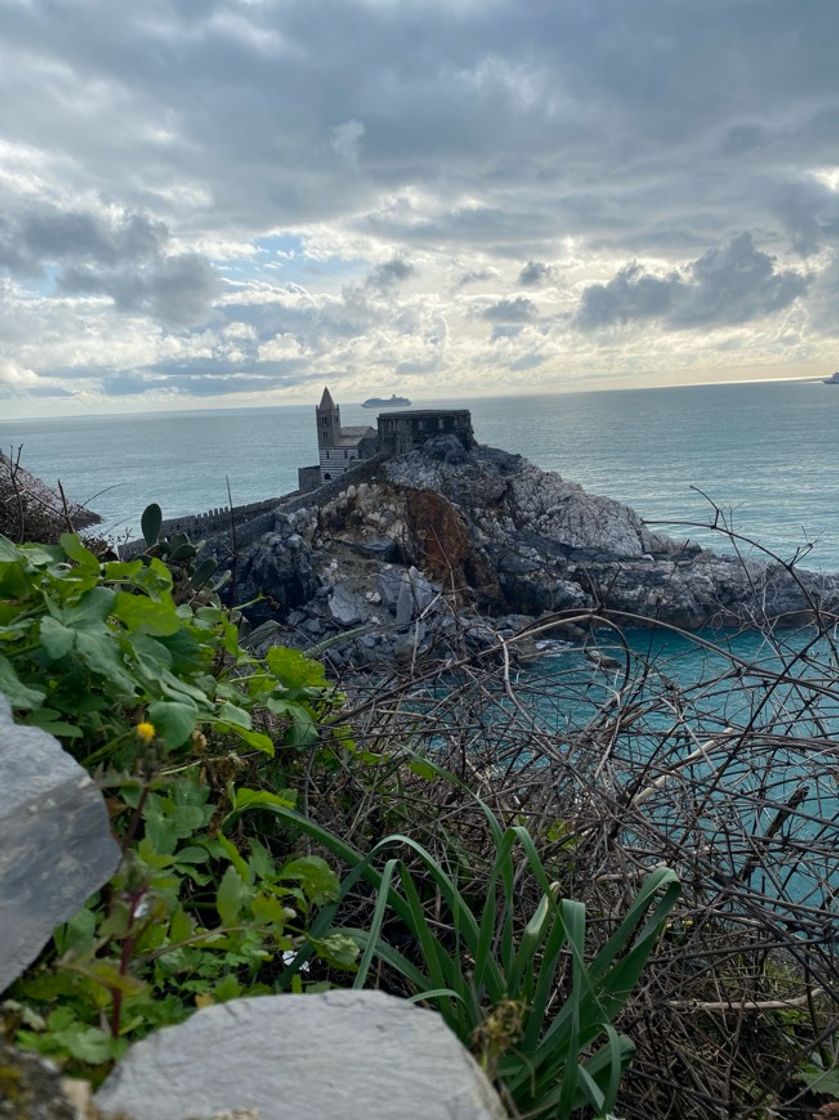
x: 523, y: 992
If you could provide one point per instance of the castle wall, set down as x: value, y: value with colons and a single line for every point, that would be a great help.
x: 400, y: 432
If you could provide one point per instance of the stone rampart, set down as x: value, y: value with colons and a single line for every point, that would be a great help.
x: 257, y: 518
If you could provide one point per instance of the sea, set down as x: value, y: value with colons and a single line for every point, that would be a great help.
x: 766, y: 454
x: 763, y: 456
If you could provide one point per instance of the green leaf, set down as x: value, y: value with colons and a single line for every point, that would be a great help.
x: 422, y: 770
x: 150, y: 523
x: 254, y: 797
x: 76, y: 551
x: 255, y: 739
x: 102, y: 655
x: 819, y: 1080
x: 174, y: 721
x: 294, y: 670
x: 146, y: 616
x: 229, y: 897
x: 91, y: 611
x: 231, y: 714
x: 338, y: 950
x: 8, y: 552
x: 16, y: 692
x: 56, y: 638
x: 316, y: 877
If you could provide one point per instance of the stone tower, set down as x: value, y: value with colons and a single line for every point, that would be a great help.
x: 328, y: 416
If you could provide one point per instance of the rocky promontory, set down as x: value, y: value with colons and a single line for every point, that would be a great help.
x: 484, y: 541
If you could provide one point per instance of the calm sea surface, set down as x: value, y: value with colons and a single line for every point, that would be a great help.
x: 769, y: 453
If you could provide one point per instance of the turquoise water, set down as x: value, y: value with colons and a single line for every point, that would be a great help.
x: 767, y: 452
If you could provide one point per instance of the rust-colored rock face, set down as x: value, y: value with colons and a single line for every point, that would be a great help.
x: 445, y: 548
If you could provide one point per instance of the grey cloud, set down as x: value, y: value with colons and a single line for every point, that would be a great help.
x: 122, y: 256
x: 47, y: 235
x: 518, y: 310
x: 476, y: 276
x: 176, y: 290
x: 630, y: 295
x: 625, y: 127
x: 508, y: 330
x: 387, y: 275
x: 535, y: 273
x: 725, y: 286
x: 810, y: 213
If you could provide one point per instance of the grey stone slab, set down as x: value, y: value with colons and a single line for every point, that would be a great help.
x: 404, y: 602
x: 340, y: 1055
x: 345, y: 606
x: 56, y: 846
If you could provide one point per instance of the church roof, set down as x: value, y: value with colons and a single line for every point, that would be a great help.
x: 351, y: 437
x: 326, y: 400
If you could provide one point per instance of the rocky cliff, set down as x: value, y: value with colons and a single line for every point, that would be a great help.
x: 491, y: 536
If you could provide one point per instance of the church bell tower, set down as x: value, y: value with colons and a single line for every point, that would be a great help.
x: 328, y: 416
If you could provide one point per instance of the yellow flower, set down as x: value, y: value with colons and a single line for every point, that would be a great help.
x: 145, y: 732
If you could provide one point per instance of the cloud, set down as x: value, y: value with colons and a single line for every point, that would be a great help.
x: 731, y: 284
x: 176, y: 290
x: 346, y: 140
x: 125, y: 255
x: 535, y: 273
x: 175, y: 168
x: 518, y: 310
x: 384, y: 277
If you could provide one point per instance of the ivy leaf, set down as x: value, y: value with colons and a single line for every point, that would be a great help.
x: 56, y: 638
x: 91, y: 611
x: 17, y: 693
x: 174, y: 721
x: 101, y: 655
x: 146, y: 616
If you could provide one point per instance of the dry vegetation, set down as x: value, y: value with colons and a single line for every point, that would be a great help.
x: 730, y: 779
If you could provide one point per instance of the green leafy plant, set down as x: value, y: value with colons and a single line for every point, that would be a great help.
x: 528, y: 996
x: 180, y: 725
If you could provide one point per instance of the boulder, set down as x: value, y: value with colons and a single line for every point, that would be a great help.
x: 31, y: 1089
x: 56, y: 846
x: 339, y: 1055
x: 346, y: 608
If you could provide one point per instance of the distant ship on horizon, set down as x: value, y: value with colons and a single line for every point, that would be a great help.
x: 381, y: 402
x: 834, y: 380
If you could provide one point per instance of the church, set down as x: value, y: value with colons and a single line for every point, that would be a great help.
x: 342, y: 449
x: 339, y: 449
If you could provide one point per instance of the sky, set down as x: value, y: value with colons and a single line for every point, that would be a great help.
x: 219, y: 203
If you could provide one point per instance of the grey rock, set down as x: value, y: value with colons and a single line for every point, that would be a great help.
x: 313, y: 626
x: 37, y: 1093
x: 389, y: 581
x: 378, y: 548
x: 56, y: 847
x: 346, y: 608
x: 404, y: 602
x: 339, y: 1055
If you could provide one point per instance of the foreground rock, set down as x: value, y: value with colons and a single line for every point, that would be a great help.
x: 336, y: 1056
x: 30, y: 1089
x: 444, y: 539
x: 56, y: 846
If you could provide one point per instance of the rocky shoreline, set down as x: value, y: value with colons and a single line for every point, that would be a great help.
x: 446, y: 548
